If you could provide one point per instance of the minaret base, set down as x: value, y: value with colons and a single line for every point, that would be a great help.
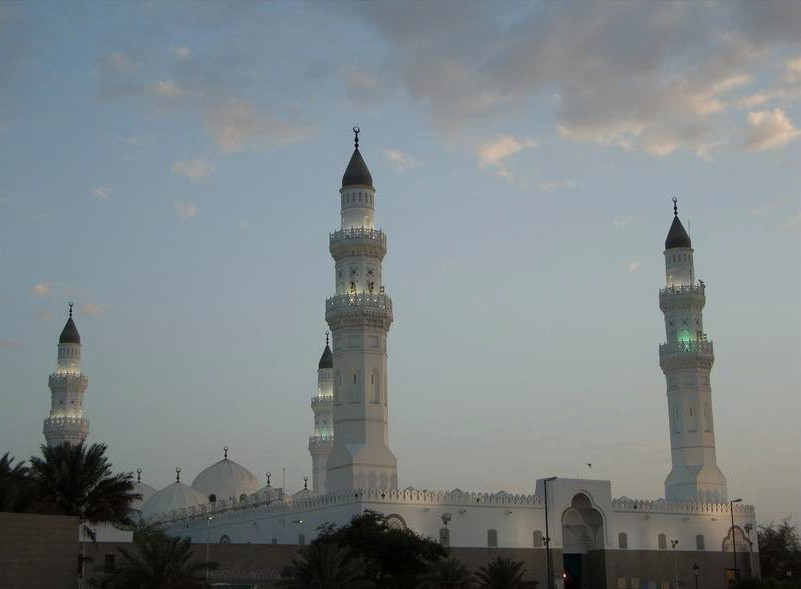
x: 357, y: 466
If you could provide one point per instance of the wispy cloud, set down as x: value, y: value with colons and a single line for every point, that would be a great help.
x: 624, y: 222
x: 633, y: 265
x: 185, y: 210
x: 793, y: 70
x: 92, y: 309
x: 496, y: 152
x: 44, y: 315
x: 196, y: 169
x: 181, y: 52
x: 558, y: 185
x: 42, y: 289
x: 793, y: 222
x: 7, y: 344
x: 100, y: 192
x: 399, y: 160
x: 769, y: 129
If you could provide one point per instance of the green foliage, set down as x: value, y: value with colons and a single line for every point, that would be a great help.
x: 16, y: 488
x: 446, y: 573
x: 503, y: 573
x: 159, y: 562
x: 780, y: 551
x: 326, y: 566
x: 78, y: 480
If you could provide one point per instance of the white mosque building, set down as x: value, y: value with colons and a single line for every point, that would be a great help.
x: 592, y: 533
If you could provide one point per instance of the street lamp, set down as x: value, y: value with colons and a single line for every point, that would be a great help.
x: 548, y: 563
x: 208, y: 525
x: 673, y: 544
x: 695, y: 572
x: 733, y: 536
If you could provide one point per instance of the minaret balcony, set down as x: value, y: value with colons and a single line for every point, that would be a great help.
x: 321, y: 442
x: 698, y: 353
x: 682, y: 296
x: 357, y: 241
x: 319, y: 402
x: 52, y: 424
x: 359, y: 309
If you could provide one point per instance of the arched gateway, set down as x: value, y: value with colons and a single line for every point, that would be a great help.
x: 582, y: 532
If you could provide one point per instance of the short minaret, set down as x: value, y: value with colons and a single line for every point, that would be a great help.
x: 686, y: 359
x: 359, y: 315
x: 322, y: 404
x: 67, y: 386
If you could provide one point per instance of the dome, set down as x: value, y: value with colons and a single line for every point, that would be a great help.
x: 225, y: 479
x: 70, y: 335
x: 677, y: 236
x: 327, y: 359
x: 357, y: 174
x: 145, y: 490
x: 177, y: 495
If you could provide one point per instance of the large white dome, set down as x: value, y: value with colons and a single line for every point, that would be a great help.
x: 176, y: 495
x: 225, y: 479
x: 145, y: 490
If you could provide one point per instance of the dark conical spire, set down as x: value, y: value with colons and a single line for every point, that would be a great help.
x: 327, y: 359
x: 677, y: 236
x: 357, y: 174
x: 70, y: 335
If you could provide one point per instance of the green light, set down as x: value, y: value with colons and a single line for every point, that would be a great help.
x: 684, y: 336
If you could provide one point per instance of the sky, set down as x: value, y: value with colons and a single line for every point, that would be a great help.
x: 174, y: 168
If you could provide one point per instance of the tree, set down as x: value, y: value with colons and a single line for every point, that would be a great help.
x: 503, y: 573
x: 393, y: 558
x: 78, y: 480
x: 446, y: 573
x: 160, y: 562
x: 325, y: 566
x: 779, y: 551
x: 16, y: 488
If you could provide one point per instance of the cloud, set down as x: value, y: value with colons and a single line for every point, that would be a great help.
x: 118, y: 76
x: 166, y: 90
x: 100, y: 192
x: 181, y: 52
x: 196, y: 169
x: 495, y: 152
x: 558, y: 185
x: 42, y: 289
x: 185, y: 210
x: 95, y: 309
x: 7, y: 344
x: 399, y: 160
x: 366, y: 88
x: 793, y: 222
x: 44, y: 315
x: 793, y: 70
x: 769, y: 130
x: 624, y: 222
x: 633, y: 266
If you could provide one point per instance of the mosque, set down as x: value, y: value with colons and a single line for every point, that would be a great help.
x: 577, y: 533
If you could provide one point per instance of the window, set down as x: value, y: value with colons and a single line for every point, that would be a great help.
x: 225, y: 539
x: 622, y: 541
x: 699, y: 542
x: 537, y: 539
x: 492, y: 538
x: 662, y: 542
x: 274, y: 541
x: 301, y: 540
x: 376, y: 382
x: 109, y: 563
x: 444, y: 537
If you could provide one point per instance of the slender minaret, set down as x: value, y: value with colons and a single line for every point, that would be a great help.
x: 322, y: 404
x: 686, y: 359
x: 67, y: 386
x: 359, y: 315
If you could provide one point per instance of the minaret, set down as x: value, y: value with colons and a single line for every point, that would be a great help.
x: 67, y: 386
x: 322, y: 404
x: 359, y: 315
x: 686, y: 359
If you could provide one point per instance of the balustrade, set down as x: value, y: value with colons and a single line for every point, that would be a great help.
x: 688, y: 347
x: 362, y: 299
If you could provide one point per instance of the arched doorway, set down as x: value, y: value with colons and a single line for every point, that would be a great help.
x: 582, y: 531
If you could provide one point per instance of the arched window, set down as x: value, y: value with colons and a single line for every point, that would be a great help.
x: 225, y: 539
x: 622, y: 541
x: 699, y: 542
x: 375, y: 380
x: 444, y: 537
x: 492, y: 538
x: 301, y: 540
x: 662, y: 542
x: 537, y: 539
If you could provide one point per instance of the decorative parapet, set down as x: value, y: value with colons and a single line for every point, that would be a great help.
x: 357, y: 241
x: 322, y: 401
x: 320, y: 442
x: 693, y: 508
x: 682, y: 289
x: 702, y: 347
x: 359, y: 309
x: 60, y: 379
x: 64, y: 421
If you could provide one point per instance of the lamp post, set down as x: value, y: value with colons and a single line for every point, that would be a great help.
x: 695, y: 572
x: 548, y: 563
x: 673, y: 544
x: 734, y: 537
x: 208, y: 531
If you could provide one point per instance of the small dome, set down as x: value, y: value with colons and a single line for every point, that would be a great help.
x: 677, y: 236
x: 327, y: 359
x: 70, y: 335
x: 177, y: 495
x: 225, y: 479
x: 145, y: 490
x: 357, y: 174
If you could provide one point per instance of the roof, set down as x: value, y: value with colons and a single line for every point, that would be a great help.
x: 69, y: 335
x: 677, y: 236
x: 327, y: 359
x: 143, y: 489
x: 357, y: 174
x: 176, y: 495
x: 225, y: 479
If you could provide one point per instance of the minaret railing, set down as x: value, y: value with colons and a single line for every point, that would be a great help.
x: 682, y: 289
x: 689, y: 347
x: 362, y: 299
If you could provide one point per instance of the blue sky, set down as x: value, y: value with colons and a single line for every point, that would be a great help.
x: 173, y: 169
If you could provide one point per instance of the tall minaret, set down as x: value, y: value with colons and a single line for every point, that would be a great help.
x: 359, y: 315
x: 686, y: 359
x: 67, y: 386
x: 322, y: 404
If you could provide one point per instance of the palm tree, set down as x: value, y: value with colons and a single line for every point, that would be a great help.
x: 160, y: 562
x: 325, y: 565
x: 503, y: 573
x: 447, y: 573
x: 16, y: 487
x: 78, y: 480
